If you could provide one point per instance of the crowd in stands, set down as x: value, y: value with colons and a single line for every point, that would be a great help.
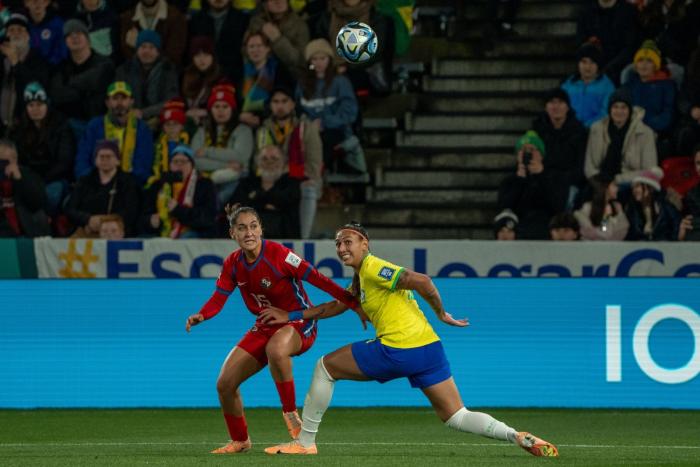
x: 615, y: 154
x: 146, y: 117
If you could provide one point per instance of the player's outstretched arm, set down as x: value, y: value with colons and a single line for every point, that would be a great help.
x: 411, y: 280
x: 273, y: 315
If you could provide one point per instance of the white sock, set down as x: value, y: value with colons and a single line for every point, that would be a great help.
x: 317, y: 401
x: 481, y: 424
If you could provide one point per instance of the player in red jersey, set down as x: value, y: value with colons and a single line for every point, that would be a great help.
x: 267, y: 274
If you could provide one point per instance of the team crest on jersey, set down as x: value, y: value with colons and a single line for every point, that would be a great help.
x: 265, y: 283
x: 293, y: 259
x: 386, y: 273
x: 46, y: 34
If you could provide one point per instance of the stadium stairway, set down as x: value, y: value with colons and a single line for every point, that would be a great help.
x: 456, y: 143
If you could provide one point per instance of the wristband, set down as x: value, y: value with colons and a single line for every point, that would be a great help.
x: 295, y: 315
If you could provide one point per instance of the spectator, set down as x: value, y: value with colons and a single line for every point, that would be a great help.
x: 589, y: 90
x: 152, y: 78
x: 533, y: 192
x: 652, y: 88
x: 78, y: 85
x: 286, y: 31
x: 102, y: 23
x: 650, y: 215
x: 602, y: 218
x: 107, y: 189
x: 301, y: 143
x: 156, y: 15
x: 564, y: 227
x: 46, y: 145
x: 112, y: 227
x: 689, y: 228
x: 614, y: 24
x: 199, y: 77
x: 46, y: 31
x: 20, y: 66
x: 133, y: 136
x: 173, y: 134
x: 505, y: 225
x: 223, y: 147
x: 226, y: 26
x: 182, y: 204
x: 688, y: 133
x: 327, y: 98
x: 273, y: 194
x: 22, y: 197
x: 620, y: 145
x: 261, y: 72
x: 564, y: 141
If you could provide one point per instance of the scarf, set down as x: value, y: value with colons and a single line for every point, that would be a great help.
x: 221, y: 138
x: 342, y: 14
x: 126, y: 137
x: 257, y: 84
x: 7, y: 202
x: 612, y: 164
x: 183, y: 192
x: 161, y: 161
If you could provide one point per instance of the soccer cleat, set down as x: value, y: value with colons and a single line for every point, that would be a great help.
x: 293, y: 447
x: 536, y: 446
x: 293, y: 422
x: 234, y: 447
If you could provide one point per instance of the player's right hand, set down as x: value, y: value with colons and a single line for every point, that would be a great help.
x: 193, y: 320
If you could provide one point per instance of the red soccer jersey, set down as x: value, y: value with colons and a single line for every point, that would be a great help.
x: 274, y: 279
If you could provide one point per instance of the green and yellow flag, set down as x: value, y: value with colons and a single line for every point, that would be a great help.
x: 401, y: 11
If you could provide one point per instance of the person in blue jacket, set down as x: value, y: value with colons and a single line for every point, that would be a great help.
x: 46, y: 31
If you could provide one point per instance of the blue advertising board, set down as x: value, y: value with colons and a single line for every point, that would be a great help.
x: 531, y: 342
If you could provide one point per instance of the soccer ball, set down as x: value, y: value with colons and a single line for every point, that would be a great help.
x: 356, y: 42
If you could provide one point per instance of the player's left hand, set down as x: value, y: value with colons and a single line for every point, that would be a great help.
x: 448, y: 319
x: 272, y: 315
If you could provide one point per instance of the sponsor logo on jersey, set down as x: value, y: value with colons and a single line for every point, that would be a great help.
x: 386, y: 273
x: 265, y: 283
x: 293, y: 259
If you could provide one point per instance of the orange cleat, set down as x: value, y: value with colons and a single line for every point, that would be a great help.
x: 293, y: 422
x: 536, y: 446
x: 234, y: 447
x: 293, y: 447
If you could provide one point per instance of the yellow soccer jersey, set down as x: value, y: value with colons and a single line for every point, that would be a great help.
x: 394, y: 313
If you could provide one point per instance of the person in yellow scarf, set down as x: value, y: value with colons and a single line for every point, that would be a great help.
x: 172, y: 120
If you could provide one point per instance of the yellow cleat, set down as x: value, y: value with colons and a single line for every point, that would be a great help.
x: 292, y: 447
x: 293, y: 422
x: 234, y: 447
x: 536, y: 446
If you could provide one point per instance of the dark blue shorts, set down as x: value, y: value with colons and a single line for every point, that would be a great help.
x: 423, y: 366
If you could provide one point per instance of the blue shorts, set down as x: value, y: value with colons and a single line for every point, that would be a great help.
x: 423, y: 366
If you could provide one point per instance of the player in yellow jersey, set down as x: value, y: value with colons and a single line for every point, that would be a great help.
x: 405, y: 347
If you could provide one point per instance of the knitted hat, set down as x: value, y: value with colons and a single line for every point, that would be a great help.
x: 649, y: 50
x: 75, y: 25
x: 558, y: 93
x: 531, y: 137
x: 148, y: 36
x: 318, y: 46
x: 174, y: 109
x: 505, y: 218
x: 651, y: 177
x: 184, y: 150
x: 620, y: 95
x: 19, y: 19
x: 200, y: 44
x: 108, y: 144
x: 590, y: 50
x: 222, y: 92
x: 119, y: 87
x: 34, y: 91
x: 287, y: 91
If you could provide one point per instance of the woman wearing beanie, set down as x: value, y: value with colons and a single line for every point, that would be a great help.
x: 620, y: 145
x: 199, y: 77
x: 651, y: 216
x: 327, y: 98
x: 602, y: 218
x: 45, y: 143
x: 173, y: 134
x: 589, y: 90
x: 223, y: 146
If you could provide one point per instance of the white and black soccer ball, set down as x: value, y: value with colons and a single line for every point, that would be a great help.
x: 356, y: 42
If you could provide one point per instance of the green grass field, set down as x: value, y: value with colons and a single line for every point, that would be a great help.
x: 350, y: 437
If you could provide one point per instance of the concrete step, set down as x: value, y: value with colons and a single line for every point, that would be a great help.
x: 499, y: 67
x: 440, y: 104
x: 536, y: 28
x: 490, y: 84
x: 518, y: 47
x: 379, y: 231
x: 436, y: 178
x: 533, y: 10
x: 434, y: 141
x: 462, y: 160
x: 442, y: 123
x: 432, y: 197
x: 428, y: 216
